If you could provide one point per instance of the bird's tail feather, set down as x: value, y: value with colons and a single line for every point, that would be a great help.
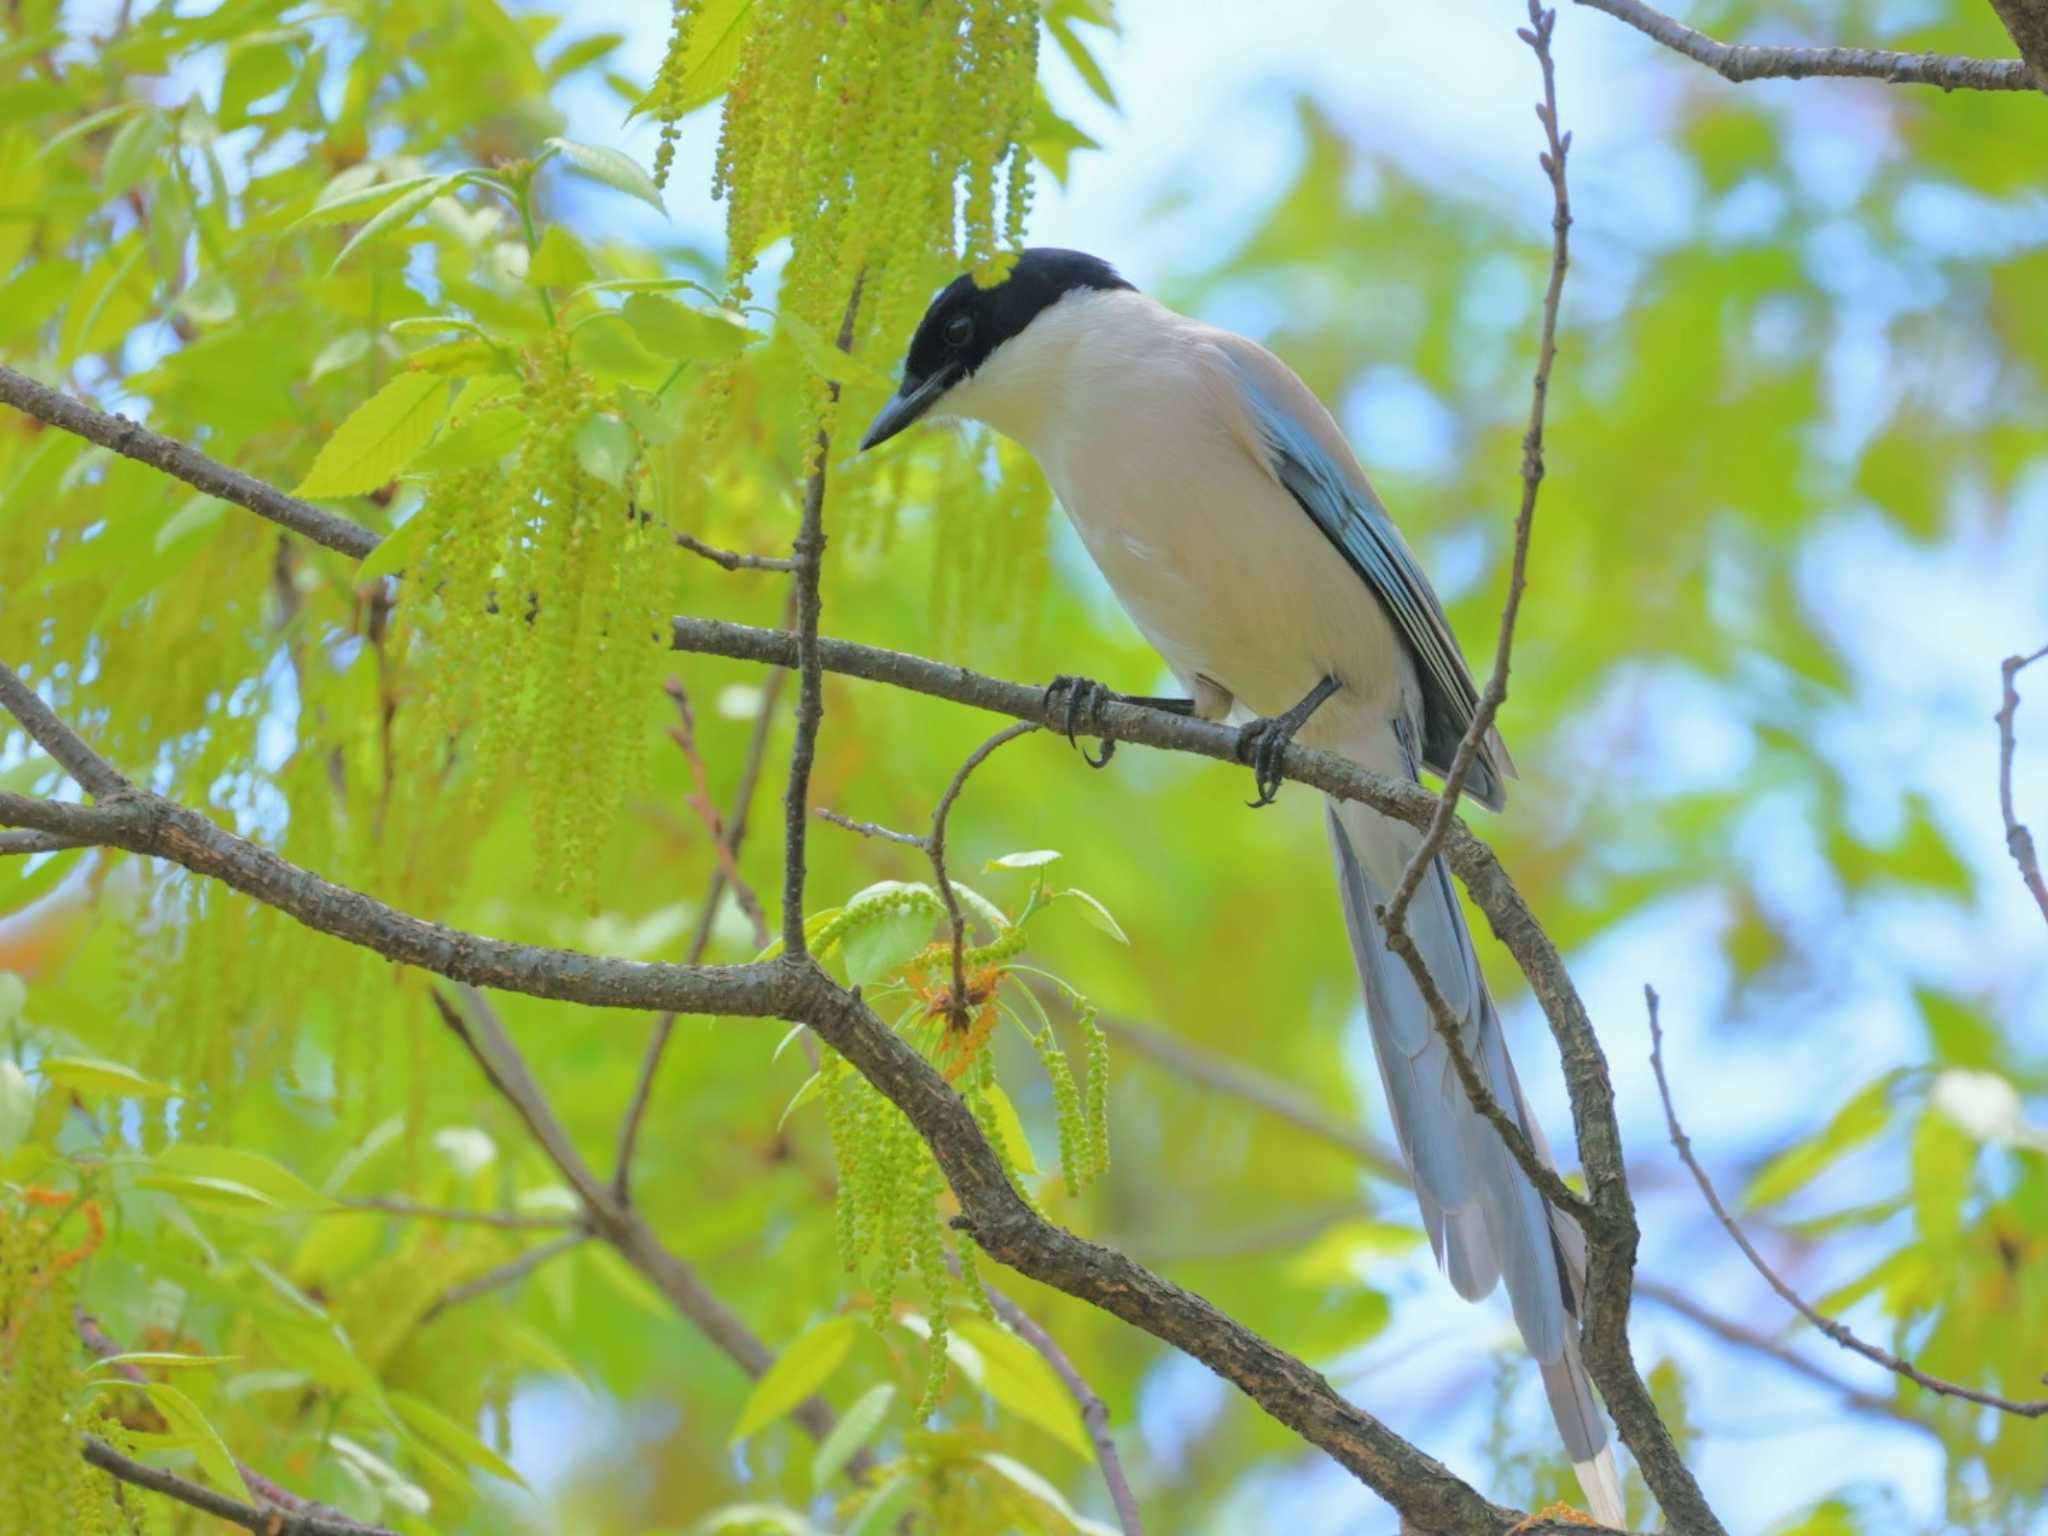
x: 1485, y: 1219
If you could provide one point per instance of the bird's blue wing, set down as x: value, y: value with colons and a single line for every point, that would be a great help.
x: 1351, y: 517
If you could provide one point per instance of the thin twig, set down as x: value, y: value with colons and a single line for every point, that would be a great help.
x: 732, y: 560
x: 476, y: 1024
x: 187, y: 464
x: 509, y: 1220
x: 1742, y: 62
x: 1757, y: 1342
x: 2018, y: 839
x: 707, y: 920
x: 1257, y: 1088
x: 871, y: 828
x: 1480, y: 728
x: 2032, y: 1408
x: 271, y: 1521
x: 511, y: 1272
x: 684, y: 734
x: 958, y: 1009
x: 808, y: 552
x: 1094, y: 1412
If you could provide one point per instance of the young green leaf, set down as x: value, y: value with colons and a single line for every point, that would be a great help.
x: 192, y: 1430
x: 400, y: 211
x: 1011, y: 1129
x: 452, y: 1440
x: 1096, y: 913
x: 851, y: 1433
x: 1036, y: 858
x: 85, y: 1074
x: 797, y: 1373
x: 134, y: 150
x: 252, y: 1170
x: 1019, y: 1379
x: 676, y: 331
x: 379, y: 438
x: 399, y: 549
x: 606, y: 448
x: 1036, y: 1487
x: 614, y: 169
x: 17, y: 1106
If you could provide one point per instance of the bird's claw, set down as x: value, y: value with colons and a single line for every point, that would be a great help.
x: 1263, y: 744
x: 1074, y: 702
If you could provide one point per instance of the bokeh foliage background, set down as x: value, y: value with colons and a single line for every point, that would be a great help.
x: 1798, y: 509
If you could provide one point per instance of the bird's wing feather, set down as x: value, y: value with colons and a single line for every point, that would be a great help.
x: 1296, y: 440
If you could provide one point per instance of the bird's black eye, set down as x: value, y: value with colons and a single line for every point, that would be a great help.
x: 959, y: 330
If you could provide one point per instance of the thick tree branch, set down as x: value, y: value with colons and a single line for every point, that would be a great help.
x: 187, y: 464
x: 274, y: 1520
x: 2018, y: 840
x: 1742, y: 62
x: 2027, y: 23
x: 2032, y: 1408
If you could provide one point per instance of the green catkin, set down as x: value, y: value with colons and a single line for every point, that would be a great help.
x: 929, y: 1249
x: 842, y: 1120
x: 970, y: 1276
x: 1066, y: 1101
x: 668, y: 91
x: 1095, y: 1101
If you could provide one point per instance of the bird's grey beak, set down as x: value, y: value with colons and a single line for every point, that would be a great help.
x: 911, y: 402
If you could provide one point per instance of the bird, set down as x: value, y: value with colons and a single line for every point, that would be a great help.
x: 1223, y: 506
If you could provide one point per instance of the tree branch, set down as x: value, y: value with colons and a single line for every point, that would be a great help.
x: 2026, y: 22
x: 187, y: 464
x: 2018, y: 840
x: 731, y: 559
x: 1448, y: 1026
x: 508, y: 1220
x: 483, y: 1035
x: 809, y: 554
x: 511, y: 1272
x: 1741, y: 62
x: 1094, y: 1412
x: 1840, y: 1333
x: 39, y: 842
x: 957, y: 1006
x: 275, y: 1520
x: 93, y: 773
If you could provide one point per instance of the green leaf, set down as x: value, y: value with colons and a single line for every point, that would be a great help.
x: 273, y: 1181
x: 1026, y: 1481
x: 162, y: 1360
x: 398, y: 549
x: 85, y: 1074
x: 379, y: 438
x: 1943, y: 1160
x: 400, y: 211
x: 133, y: 151
x: 192, y: 1430
x: 342, y: 352
x: 851, y: 1433
x: 606, y: 448
x: 676, y: 331
x: 880, y: 946
x: 1019, y: 1379
x: 358, y: 190
x: 1084, y: 61
x: 560, y: 261
x: 1856, y: 1122
x: 1096, y: 913
x: 613, y: 168
x: 827, y: 360
x: 803, y: 1096
x: 1011, y: 1129
x: 451, y: 1439
x: 17, y: 1106
x: 797, y: 1373
x: 997, y: 920
x: 889, y: 1504
x: 198, y: 514
x: 711, y: 57
x: 1037, y: 858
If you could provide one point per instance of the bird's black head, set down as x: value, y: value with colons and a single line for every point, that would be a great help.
x: 965, y: 324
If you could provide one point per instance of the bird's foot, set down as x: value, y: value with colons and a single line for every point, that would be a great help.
x: 1074, y: 704
x: 1263, y: 743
